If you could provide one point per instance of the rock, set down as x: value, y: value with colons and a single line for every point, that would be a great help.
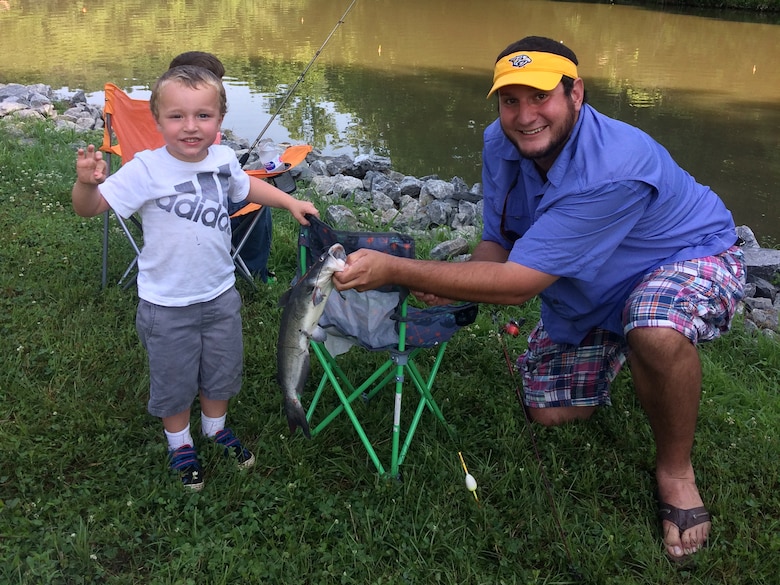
x: 342, y: 218
x: 7, y: 108
x: 410, y: 186
x: 450, y: 248
x: 438, y: 189
x: 763, y: 288
x: 344, y: 186
x: 762, y: 262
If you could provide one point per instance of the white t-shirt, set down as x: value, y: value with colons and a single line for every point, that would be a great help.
x: 185, y: 258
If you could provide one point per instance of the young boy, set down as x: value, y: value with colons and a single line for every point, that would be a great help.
x: 257, y: 248
x: 188, y: 316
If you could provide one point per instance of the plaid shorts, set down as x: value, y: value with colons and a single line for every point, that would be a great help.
x: 697, y: 297
x: 562, y: 374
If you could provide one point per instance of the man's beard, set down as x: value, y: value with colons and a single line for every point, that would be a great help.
x: 557, y: 141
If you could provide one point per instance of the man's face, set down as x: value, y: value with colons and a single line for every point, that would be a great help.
x: 539, y: 122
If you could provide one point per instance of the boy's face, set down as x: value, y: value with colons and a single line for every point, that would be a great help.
x: 189, y: 120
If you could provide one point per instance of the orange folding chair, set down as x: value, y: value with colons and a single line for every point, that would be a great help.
x: 129, y: 127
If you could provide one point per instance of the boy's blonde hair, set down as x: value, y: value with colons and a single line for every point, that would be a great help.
x: 189, y: 76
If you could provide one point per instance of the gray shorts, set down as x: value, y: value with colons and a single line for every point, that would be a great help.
x: 199, y: 347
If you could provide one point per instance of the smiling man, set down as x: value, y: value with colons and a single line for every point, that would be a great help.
x: 632, y: 258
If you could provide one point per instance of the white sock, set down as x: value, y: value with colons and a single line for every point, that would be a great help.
x: 211, y: 426
x: 176, y: 440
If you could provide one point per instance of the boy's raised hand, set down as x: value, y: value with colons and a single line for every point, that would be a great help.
x: 90, y: 166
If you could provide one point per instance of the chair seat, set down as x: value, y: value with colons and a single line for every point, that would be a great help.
x: 372, y: 320
x: 292, y: 157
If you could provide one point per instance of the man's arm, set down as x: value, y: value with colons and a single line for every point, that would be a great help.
x: 479, y: 280
x: 488, y: 251
x: 485, y: 251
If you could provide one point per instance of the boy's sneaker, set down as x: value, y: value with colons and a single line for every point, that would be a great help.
x: 234, y: 448
x: 184, y: 461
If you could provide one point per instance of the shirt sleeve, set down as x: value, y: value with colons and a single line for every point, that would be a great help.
x: 491, y: 202
x: 124, y: 189
x: 505, y: 207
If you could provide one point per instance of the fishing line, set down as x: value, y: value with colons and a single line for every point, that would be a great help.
x: 245, y: 157
x: 513, y: 328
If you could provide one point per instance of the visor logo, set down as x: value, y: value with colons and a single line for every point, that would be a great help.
x: 520, y: 60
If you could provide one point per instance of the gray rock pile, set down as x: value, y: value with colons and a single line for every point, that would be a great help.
x: 762, y: 301
x: 37, y: 101
x: 385, y: 197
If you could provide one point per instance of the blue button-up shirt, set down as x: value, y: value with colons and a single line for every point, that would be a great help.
x: 614, y: 206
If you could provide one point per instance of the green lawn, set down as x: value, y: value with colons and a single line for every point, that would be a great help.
x: 85, y: 495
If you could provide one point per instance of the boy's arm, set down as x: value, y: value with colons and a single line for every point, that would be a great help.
x: 90, y: 172
x: 266, y: 194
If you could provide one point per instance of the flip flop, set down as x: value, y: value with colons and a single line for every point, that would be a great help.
x: 682, y: 519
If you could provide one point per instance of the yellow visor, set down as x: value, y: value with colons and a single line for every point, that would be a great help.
x: 540, y: 70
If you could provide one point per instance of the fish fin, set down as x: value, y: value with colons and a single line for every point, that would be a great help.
x: 317, y: 297
x: 283, y: 300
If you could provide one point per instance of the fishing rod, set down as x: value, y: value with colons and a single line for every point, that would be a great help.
x: 513, y: 330
x: 245, y: 157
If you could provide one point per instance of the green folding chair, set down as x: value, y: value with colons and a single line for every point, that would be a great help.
x: 377, y: 321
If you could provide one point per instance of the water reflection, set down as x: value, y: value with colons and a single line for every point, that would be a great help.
x: 408, y: 79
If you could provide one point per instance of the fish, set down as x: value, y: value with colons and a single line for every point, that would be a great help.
x: 303, y: 305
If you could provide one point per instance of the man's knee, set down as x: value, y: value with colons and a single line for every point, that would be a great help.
x: 556, y: 416
x: 658, y: 344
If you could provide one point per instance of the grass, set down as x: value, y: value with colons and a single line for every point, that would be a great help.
x: 85, y: 495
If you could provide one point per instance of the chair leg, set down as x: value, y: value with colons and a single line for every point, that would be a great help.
x: 396, y: 432
x: 332, y: 375
x: 104, y: 271
x: 136, y: 249
x: 235, y: 252
x: 426, y: 401
x: 397, y: 370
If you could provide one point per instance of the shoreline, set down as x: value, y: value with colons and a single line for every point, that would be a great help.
x: 383, y: 196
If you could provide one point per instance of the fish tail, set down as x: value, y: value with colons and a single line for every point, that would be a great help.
x: 296, y: 417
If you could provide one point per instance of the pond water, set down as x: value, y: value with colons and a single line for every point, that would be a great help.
x: 408, y: 79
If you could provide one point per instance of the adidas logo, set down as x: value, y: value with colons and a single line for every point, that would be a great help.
x: 197, y: 209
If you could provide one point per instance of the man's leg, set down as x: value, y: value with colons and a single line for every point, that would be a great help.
x: 554, y: 416
x: 667, y: 376
x: 258, y: 247
x: 666, y: 315
x: 563, y: 383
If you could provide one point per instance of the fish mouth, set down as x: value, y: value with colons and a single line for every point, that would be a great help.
x: 334, y: 260
x: 338, y: 253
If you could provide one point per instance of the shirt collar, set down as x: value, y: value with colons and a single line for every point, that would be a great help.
x: 561, y: 165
